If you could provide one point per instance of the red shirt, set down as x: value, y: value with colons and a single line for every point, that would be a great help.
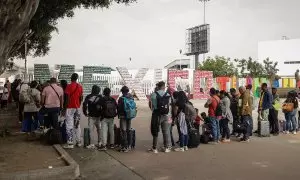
x: 215, y: 100
x: 74, y: 92
x: 198, y: 120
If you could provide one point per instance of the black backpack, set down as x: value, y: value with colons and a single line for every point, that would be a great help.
x: 94, y: 107
x: 163, y: 103
x: 109, y: 108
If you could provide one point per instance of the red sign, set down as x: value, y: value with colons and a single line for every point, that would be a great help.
x: 173, y: 74
x: 203, y: 81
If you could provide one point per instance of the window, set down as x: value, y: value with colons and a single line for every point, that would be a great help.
x: 292, y: 62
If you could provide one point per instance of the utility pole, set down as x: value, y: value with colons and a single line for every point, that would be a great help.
x: 204, y: 19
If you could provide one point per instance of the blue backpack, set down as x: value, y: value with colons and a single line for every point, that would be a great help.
x: 130, y: 108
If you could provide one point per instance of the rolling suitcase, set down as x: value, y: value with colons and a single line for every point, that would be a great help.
x: 194, y: 138
x: 263, y: 129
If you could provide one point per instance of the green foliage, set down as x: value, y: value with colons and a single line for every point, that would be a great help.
x: 220, y: 65
x: 45, y: 20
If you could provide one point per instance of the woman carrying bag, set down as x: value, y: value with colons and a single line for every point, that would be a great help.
x: 289, y: 109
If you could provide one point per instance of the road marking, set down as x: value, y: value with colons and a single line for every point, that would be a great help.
x: 261, y: 164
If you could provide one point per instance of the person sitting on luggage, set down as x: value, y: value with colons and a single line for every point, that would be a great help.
x: 92, y: 109
x: 109, y: 112
x: 206, y: 126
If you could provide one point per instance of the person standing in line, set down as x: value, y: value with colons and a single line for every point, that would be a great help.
x: 226, y: 116
x: 74, y: 93
x: 31, y: 108
x: 273, y: 114
x: 125, y: 124
x: 182, y: 121
x: 109, y: 112
x: 22, y: 87
x: 290, y: 116
x: 212, y: 104
x: 161, y: 116
x: 52, y: 102
x: 249, y: 88
x: 297, y: 77
x: 265, y: 103
x: 91, y: 108
x: 234, y: 101
x: 245, y: 112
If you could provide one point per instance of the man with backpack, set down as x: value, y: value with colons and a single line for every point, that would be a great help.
x: 126, y: 112
x: 109, y: 112
x: 214, y: 111
x: 74, y: 96
x: 92, y: 109
x: 161, y: 116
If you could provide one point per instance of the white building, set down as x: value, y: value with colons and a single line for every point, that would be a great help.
x: 285, y: 52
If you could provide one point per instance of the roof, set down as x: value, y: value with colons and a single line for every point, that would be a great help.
x: 178, y: 62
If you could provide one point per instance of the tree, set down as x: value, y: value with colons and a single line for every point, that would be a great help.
x: 271, y: 69
x: 254, y: 68
x: 41, y: 17
x: 220, y: 66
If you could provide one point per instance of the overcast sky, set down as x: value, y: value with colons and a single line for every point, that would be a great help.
x: 151, y: 32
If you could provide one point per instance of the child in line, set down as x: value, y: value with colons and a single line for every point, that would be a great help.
x: 199, y: 121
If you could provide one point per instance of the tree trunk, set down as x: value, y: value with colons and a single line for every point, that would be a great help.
x: 15, y: 16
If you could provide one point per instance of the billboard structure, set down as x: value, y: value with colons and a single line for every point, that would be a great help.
x: 197, y: 41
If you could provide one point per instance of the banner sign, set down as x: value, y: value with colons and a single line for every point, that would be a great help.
x: 203, y: 81
x: 66, y: 72
x: 41, y: 72
x: 87, y: 79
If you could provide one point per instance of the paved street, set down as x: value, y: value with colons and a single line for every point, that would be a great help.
x: 273, y: 158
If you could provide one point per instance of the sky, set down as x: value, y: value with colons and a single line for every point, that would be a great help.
x: 151, y: 32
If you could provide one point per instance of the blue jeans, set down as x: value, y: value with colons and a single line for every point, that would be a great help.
x: 215, y: 128
x: 291, y: 118
x: 247, y: 123
x: 184, y: 140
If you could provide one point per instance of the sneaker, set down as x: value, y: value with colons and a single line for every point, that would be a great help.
x: 68, y: 146
x: 126, y: 150
x: 186, y: 148
x: 214, y: 143
x: 244, y: 140
x: 294, y: 132
x: 167, y: 150
x: 225, y: 140
x: 102, y: 148
x: 287, y: 132
x: 79, y: 145
x: 155, y: 151
x: 91, y: 146
x: 112, y: 146
x: 179, y: 149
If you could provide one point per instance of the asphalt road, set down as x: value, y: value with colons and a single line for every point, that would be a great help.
x: 273, y: 158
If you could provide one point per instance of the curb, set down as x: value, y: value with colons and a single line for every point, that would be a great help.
x: 71, y: 171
